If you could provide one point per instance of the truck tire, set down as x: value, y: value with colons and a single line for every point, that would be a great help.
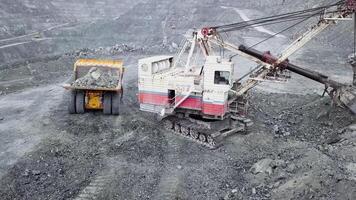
x: 72, y: 102
x: 115, y: 100
x: 80, y: 102
x: 107, y: 103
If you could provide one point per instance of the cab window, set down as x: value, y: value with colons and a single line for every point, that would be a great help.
x: 222, y: 78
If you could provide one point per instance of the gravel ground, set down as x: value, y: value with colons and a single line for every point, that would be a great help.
x: 300, y: 147
x: 132, y: 157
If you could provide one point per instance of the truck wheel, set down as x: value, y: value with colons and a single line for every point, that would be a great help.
x: 107, y: 103
x: 80, y: 102
x: 115, y: 100
x: 72, y: 102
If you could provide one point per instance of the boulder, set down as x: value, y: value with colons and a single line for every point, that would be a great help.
x: 262, y: 166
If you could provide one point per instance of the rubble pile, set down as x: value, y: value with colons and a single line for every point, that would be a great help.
x: 318, y: 121
x: 111, y: 50
x: 97, y: 78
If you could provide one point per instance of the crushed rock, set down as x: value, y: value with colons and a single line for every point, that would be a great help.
x: 97, y: 78
x: 316, y: 121
x: 36, y: 172
x: 351, y: 169
x: 111, y: 50
x: 267, y: 165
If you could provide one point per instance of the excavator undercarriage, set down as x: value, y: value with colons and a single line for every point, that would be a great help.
x: 209, y: 132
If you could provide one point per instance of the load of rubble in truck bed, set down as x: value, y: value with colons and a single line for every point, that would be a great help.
x: 97, y: 78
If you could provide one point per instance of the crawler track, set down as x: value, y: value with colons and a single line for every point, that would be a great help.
x: 197, y: 133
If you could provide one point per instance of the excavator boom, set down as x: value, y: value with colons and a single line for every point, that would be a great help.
x: 268, y: 62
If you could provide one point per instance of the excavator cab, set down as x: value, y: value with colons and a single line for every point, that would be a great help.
x: 218, y: 74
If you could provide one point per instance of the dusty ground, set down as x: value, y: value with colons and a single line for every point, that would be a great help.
x: 295, y: 150
x: 49, y: 154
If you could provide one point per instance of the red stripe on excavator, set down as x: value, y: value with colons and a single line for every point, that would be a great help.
x: 214, y: 109
x: 190, y: 103
x: 153, y: 98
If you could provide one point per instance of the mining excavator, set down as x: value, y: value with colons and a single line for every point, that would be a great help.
x: 194, y: 92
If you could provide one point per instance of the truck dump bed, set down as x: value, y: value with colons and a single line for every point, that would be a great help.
x: 96, y: 75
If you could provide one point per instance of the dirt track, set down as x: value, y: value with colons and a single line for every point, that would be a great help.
x: 45, y: 153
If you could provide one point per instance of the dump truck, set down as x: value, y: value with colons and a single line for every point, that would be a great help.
x: 96, y: 85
